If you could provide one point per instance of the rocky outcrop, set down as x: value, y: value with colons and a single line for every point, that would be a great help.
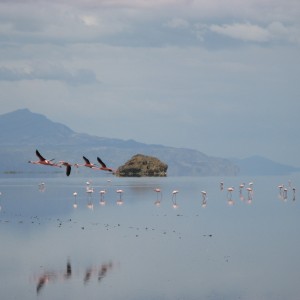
x: 143, y: 166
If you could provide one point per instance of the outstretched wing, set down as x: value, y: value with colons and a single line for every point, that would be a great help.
x: 101, y: 162
x: 39, y: 155
x: 86, y: 160
x: 68, y: 170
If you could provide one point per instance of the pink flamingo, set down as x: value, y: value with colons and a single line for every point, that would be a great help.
x: 42, y: 160
x: 67, y: 165
x: 103, y: 166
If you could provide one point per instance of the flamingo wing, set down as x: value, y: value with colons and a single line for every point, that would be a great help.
x: 39, y: 155
x: 101, y: 162
x: 86, y: 160
x: 68, y: 170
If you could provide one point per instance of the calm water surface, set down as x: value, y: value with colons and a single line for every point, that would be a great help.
x: 142, y: 244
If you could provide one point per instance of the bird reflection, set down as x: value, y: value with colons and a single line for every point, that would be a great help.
x: 158, y: 196
x: 221, y: 185
x: 99, y: 271
x: 87, y: 275
x: 250, y: 195
x: 44, y: 279
x: 102, y: 193
x: 241, y: 187
x: 174, y: 193
x: 89, y: 190
x: 204, y: 202
x: 229, y: 196
x: 42, y: 187
x: 294, y: 194
x: 120, y: 200
x: 68, y: 270
x: 75, y: 200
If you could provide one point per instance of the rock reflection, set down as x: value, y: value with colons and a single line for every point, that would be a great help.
x: 48, y: 276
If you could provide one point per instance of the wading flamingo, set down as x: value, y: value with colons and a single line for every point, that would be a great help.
x: 174, y: 193
x: 158, y: 201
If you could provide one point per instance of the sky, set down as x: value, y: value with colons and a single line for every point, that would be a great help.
x: 218, y: 76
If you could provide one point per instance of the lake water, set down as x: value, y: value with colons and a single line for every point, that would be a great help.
x: 142, y: 244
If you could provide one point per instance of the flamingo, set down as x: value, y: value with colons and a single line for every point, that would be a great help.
x: 158, y: 191
x: 102, y: 193
x: 120, y: 192
x: 174, y: 193
x: 87, y: 163
x: 229, y: 195
x: 75, y: 197
x: 67, y: 165
x: 250, y: 193
x: 103, y: 165
x: 42, y: 160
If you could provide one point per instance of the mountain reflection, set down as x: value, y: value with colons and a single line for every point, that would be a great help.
x: 98, y: 272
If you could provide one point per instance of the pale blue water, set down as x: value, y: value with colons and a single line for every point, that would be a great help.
x: 141, y: 250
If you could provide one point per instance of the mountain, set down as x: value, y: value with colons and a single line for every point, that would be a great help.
x: 24, y: 131
x: 258, y: 165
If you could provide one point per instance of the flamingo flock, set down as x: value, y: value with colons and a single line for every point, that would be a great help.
x: 43, y: 161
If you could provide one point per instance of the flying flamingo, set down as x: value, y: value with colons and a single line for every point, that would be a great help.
x: 42, y: 160
x: 103, y: 166
x: 87, y: 163
x: 67, y: 165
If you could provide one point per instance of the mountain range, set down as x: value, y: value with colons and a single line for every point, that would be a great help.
x: 22, y: 132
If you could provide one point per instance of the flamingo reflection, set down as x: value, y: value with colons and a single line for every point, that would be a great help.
x: 120, y: 200
x: 75, y: 199
x: 42, y: 187
x: 294, y: 194
x: 204, y: 202
x: 241, y: 187
x: 174, y: 193
x: 158, y: 199
x: 47, y: 277
x: 229, y: 195
x: 221, y: 185
x: 250, y: 195
x: 102, y: 193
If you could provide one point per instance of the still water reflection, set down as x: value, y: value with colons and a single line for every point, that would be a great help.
x: 150, y: 238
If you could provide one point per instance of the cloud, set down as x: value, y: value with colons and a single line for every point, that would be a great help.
x: 247, y: 32
x: 48, y: 73
x: 177, y: 23
x: 242, y: 31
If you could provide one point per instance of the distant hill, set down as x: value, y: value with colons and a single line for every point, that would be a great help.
x: 23, y: 131
x: 258, y: 165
